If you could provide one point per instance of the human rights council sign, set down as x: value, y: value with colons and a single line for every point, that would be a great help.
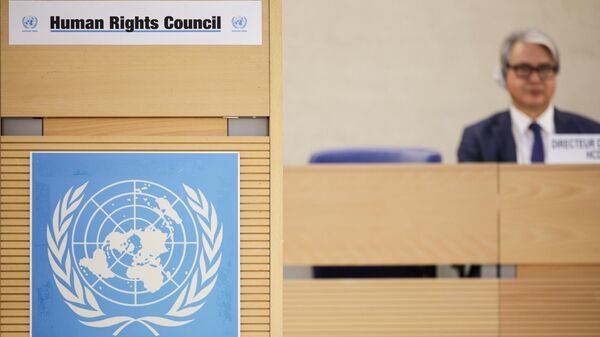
x: 135, y: 22
x: 134, y: 244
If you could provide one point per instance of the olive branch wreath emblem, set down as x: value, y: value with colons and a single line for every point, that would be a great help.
x: 81, y: 299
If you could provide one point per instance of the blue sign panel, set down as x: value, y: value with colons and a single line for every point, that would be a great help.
x: 134, y: 244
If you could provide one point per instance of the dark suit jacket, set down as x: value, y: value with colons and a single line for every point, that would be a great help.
x: 491, y: 140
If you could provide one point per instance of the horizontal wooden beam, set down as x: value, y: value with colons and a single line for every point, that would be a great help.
x: 549, y: 214
x: 390, y: 214
x: 135, y: 127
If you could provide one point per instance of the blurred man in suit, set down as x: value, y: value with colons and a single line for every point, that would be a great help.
x: 529, y: 63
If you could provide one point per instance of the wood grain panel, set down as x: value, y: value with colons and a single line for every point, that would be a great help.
x: 135, y: 127
x: 563, y: 271
x: 94, y: 146
x: 255, y: 246
x: 135, y: 81
x: 276, y: 151
x: 549, y: 214
x: 24, y: 169
x: 544, y: 307
x: 336, y: 308
x: 378, y: 214
x: 243, y: 154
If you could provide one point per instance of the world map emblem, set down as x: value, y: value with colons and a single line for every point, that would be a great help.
x: 239, y: 22
x: 29, y: 22
x: 139, y: 256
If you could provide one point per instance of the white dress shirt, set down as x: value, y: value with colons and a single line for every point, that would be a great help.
x: 524, y: 136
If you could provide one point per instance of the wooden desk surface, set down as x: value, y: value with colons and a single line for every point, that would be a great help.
x: 390, y: 214
x: 441, y: 214
x: 549, y: 214
x: 542, y: 218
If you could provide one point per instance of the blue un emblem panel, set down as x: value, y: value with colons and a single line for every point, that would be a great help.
x: 134, y: 244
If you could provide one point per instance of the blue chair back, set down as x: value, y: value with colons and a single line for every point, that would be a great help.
x: 399, y: 155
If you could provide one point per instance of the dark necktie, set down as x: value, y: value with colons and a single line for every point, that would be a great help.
x: 537, y: 153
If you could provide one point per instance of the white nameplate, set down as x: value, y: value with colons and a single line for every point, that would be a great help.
x: 574, y: 149
x: 135, y: 22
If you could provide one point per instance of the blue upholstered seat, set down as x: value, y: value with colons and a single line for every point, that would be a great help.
x: 391, y: 155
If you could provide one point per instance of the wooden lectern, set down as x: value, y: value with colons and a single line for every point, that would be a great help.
x: 148, y: 98
x: 543, y: 219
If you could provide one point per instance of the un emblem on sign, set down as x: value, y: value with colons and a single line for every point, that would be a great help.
x: 134, y: 243
x: 239, y: 22
x: 29, y: 22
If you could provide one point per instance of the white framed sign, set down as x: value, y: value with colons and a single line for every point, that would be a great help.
x: 574, y: 149
x: 135, y: 22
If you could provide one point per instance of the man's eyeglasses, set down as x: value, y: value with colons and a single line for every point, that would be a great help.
x: 524, y: 70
